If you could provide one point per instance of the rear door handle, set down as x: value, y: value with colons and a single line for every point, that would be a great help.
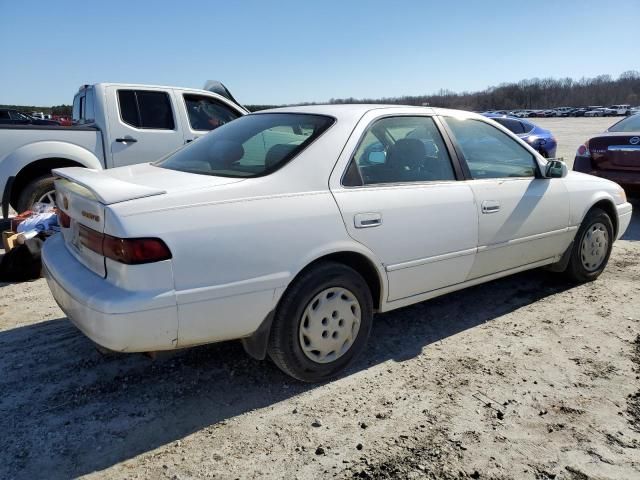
x: 367, y: 220
x: 490, y: 206
x: 126, y: 139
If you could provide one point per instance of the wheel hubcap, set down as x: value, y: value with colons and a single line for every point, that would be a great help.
x: 595, y: 244
x: 49, y: 197
x: 329, y: 325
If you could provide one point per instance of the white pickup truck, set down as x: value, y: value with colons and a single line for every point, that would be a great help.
x: 114, y: 125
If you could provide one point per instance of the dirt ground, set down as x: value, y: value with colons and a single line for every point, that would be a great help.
x: 528, y: 377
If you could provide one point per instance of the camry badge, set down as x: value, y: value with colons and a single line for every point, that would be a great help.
x: 634, y: 140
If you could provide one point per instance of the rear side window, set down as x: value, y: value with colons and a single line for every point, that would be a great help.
x: 489, y: 152
x: 514, y: 125
x: 78, y: 108
x: 251, y: 146
x: 146, y: 109
x: 205, y: 113
x: 4, y: 115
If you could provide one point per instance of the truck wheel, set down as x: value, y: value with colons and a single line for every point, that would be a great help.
x: 39, y: 190
x: 322, y: 323
x: 591, y: 247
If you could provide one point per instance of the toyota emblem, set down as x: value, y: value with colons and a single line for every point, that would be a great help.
x: 634, y: 140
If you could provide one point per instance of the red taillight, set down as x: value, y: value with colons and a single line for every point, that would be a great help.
x: 63, y: 219
x: 583, y: 150
x: 134, y: 251
x: 131, y: 251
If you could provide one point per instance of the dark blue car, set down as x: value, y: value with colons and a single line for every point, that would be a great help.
x: 539, y: 138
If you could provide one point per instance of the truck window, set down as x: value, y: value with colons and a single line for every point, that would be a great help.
x: 205, y: 113
x: 146, y: 109
x: 78, y: 108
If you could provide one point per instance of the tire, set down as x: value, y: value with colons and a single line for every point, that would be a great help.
x: 588, y: 260
x: 34, y: 191
x: 297, y: 331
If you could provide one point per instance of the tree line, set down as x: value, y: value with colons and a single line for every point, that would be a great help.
x: 535, y: 93
x: 61, y: 110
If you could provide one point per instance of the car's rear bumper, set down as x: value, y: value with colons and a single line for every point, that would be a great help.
x: 113, y: 317
x: 625, y: 211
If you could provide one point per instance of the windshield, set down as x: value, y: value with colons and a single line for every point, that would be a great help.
x: 629, y: 124
x: 250, y: 146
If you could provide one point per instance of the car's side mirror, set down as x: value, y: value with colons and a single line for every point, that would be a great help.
x: 377, y: 157
x: 556, y: 169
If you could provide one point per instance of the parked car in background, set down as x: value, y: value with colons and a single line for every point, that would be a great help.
x: 621, y: 109
x: 578, y: 112
x: 541, y: 139
x: 596, y: 112
x: 115, y: 124
x: 285, y: 229
x: 10, y: 116
x: 614, y: 154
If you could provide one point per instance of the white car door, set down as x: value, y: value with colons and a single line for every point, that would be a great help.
x: 144, y: 125
x: 400, y: 198
x: 522, y: 218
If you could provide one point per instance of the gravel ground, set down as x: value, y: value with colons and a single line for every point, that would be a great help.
x: 524, y: 377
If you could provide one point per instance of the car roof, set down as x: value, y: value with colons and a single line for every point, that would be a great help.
x: 350, y: 110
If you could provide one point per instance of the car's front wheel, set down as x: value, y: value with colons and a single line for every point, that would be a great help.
x: 591, y: 247
x: 322, y: 322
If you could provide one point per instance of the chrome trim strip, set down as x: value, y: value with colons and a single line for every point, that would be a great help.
x: 624, y: 148
x: 471, y: 251
x: 436, y: 258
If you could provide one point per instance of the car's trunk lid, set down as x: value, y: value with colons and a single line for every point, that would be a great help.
x: 616, y: 151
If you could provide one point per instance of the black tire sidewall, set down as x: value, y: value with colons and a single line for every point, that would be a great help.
x: 33, y: 191
x: 577, y: 270
x: 291, y: 309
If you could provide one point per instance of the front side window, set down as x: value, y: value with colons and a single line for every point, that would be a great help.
x: 146, y: 109
x: 490, y: 153
x: 250, y: 146
x: 205, y: 113
x: 400, y: 149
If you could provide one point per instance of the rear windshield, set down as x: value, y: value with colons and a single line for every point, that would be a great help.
x: 629, y: 124
x: 250, y: 146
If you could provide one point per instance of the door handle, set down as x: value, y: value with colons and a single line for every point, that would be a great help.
x: 126, y: 139
x: 367, y: 220
x: 490, y: 206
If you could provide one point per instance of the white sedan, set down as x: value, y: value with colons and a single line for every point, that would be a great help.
x: 290, y: 228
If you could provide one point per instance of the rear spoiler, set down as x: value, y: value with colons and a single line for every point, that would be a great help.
x: 106, y: 189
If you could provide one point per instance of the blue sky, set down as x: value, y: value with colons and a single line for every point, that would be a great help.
x: 294, y: 51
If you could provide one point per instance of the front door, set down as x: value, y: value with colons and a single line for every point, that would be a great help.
x: 401, y: 199
x: 523, y: 218
x: 144, y: 125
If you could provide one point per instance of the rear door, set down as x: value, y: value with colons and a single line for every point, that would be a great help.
x: 143, y: 124
x: 400, y: 197
x: 522, y: 218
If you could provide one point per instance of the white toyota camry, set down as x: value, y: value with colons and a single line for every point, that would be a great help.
x: 290, y: 228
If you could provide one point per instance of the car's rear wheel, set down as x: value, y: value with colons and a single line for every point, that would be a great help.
x: 322, y: 322
x: 591, y: 247
x: 40, y: 189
